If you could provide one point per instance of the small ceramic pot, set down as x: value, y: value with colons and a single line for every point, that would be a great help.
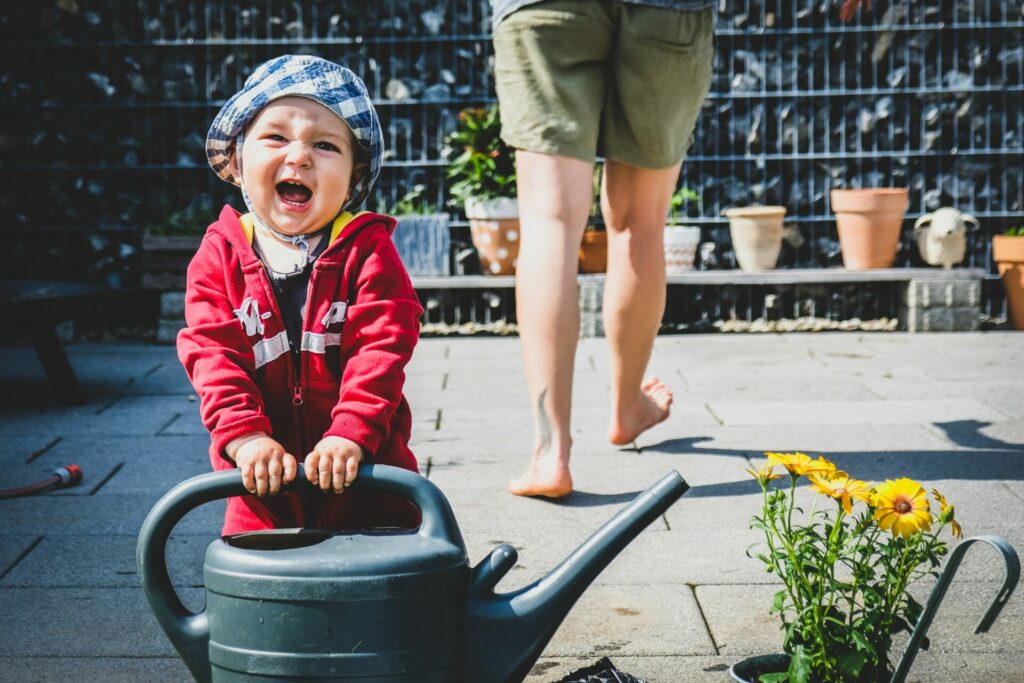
x: 756, y: 235
x: 680, y: 248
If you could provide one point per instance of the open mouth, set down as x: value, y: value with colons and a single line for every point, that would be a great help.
x: 293, y: 193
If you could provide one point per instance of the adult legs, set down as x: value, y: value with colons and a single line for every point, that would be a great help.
x: 554, y: 202
x: 635, y: 203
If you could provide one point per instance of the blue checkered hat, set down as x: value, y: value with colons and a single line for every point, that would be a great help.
x: 333, y: 86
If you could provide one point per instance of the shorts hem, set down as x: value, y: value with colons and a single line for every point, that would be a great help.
x: 546, y: 147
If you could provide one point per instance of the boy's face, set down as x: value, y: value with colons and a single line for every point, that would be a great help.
x: 297, y: 165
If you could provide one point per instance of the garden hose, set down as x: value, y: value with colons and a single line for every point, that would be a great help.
x: 62, y: 477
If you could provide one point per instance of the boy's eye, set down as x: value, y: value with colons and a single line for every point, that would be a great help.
x: 275, y: 137
x: 326, y: 146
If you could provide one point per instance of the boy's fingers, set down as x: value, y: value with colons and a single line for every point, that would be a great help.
x: 351, y: 471
x: 310, y: 465
x: 247, y: 478
x: 338, y: 472
x: 325, y: 473
x: 290, y: 467
x: 260, y: 474
x: 274, y: 475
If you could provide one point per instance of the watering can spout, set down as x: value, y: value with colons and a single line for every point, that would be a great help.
x: 506, y: 632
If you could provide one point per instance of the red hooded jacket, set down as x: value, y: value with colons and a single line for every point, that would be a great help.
x: 360, y: 325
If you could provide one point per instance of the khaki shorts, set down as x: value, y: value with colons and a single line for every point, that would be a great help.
x: 606, y: 78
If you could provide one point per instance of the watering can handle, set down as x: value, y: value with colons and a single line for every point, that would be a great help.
x: 190, y: 632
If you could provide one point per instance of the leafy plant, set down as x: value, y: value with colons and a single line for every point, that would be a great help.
x: 845, y: 575
x: 595, y: 224
x: 413, y: 203
x: 1015, y: 231
x: 679, y: 202
x: 482, y: 166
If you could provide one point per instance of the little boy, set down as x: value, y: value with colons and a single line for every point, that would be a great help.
x: 300, y: 316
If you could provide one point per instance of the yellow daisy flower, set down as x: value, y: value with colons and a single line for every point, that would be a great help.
x: 946, y: 514
x: 901, y: 506
x: 764, y: 474
x: 800, y: 464
x: 838, y: 485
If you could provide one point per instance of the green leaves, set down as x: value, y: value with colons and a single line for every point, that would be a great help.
x: 481, y: 165
x: 844, y: 586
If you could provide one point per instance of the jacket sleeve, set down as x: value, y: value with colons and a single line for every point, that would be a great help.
x: 381, y: 329
x: 217, y: 355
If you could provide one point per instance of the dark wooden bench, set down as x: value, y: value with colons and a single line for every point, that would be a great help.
x: 32, y: 309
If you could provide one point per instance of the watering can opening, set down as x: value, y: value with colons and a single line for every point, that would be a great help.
x: 290, y: 539
x: 277, y: 539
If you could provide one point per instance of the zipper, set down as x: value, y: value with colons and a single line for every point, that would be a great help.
x: 297, y: 394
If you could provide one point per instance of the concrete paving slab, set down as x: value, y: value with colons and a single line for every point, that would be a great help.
x: 612, y: 621
x: 142, y: 416
x: 16, y: 450
x: 83, y: 622
x: 104, y: 561
x: 185, y: 422
x: 117, y: 514
x: 852, y: 412
x: 165, y: 377
x: 13, y: 548
x: 741, y: 441
x: 106, y: 669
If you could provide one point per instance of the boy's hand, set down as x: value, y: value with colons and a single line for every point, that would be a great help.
x: 334, y: 463
x: 264, y: 463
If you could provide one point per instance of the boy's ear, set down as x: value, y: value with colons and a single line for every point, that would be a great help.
x: 359, y: 171
x: 236, y: 171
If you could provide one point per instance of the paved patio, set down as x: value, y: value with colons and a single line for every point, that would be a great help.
x: 680, y: 604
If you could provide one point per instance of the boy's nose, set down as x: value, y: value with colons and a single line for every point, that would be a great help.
x: 297, y: 155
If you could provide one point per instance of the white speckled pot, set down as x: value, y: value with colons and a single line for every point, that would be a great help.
x: 494, y: 227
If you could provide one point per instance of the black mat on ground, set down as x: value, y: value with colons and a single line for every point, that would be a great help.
x: 603, y: 671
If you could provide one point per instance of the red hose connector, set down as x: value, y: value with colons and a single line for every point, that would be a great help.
x: 69, y: 475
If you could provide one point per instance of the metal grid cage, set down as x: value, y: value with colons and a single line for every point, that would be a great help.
x: 108, y: 102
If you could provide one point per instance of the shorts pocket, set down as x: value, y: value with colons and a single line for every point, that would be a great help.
x: 671, y: 30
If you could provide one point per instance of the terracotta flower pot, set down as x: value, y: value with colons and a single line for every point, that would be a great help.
x: 594, y: 252
x: 756, y: 235
x: 494, y: 228
x: 1008, y: 253
x: 869, y: 222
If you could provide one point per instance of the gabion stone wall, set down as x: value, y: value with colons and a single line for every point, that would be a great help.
x: 107, y: 104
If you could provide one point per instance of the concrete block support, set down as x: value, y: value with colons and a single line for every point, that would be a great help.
x: 947, y: 305
x: 953, y: 319
x: 591, y: 294
x: 942, y: 294
x: 172, y: 317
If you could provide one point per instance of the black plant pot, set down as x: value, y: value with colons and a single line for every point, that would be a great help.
x: 748, y: 670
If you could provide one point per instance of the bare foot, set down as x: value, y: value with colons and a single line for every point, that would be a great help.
x: 650, y: 407
x: 546, y: 477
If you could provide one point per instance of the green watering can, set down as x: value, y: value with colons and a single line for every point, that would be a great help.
x: 372, y: 606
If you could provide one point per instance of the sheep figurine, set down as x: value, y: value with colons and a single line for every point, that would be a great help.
x: 942, y: 236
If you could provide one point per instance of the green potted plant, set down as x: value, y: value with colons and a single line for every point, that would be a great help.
x: 846, y: 569
x: 681, y: 240
x: 1008, y: 253
x: 483, y: 174
x: 593, y: 256
x: 421, y: 237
